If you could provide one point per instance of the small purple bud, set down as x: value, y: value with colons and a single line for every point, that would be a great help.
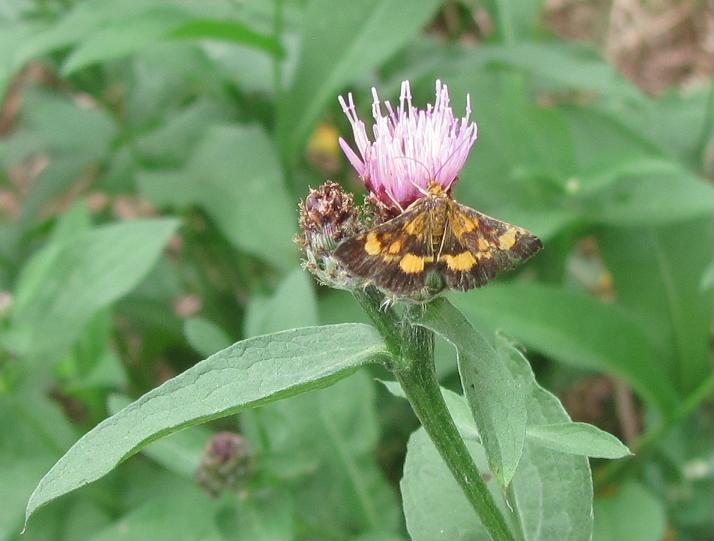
x: 226, y: 464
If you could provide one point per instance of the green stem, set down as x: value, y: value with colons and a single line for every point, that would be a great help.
x: 413, y: 366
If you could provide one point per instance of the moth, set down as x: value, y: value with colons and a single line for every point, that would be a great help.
x: 435, y: 243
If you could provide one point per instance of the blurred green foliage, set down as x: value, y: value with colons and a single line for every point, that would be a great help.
x: 152, y: 154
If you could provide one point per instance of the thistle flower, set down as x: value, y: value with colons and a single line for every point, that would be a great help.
x: 412, y: 147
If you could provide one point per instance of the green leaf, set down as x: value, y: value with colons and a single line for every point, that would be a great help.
x: 327, y: 439
x: 495, y: 398
x: 251, y: 372
x: 12, y: 36
x: 231, y: 31
x: 180, y: 452
x: 293, y: 304
x: 632, y: 513
x: 123, y: 37
x: 39, y: 435
x: 574, y: 329
x: 68, y: 281
x: 515, y: 20
x: 235, y: 176
x: 572, y: 67
x: 548, y: 504
x: 341, y: 41
x: 205, y: 336
x: 258, y: 516
x: 458, y: 407
x: 657, y: 273
x: 179, y: 511
x: 644, y: 198
x: 545, y: 504
x: 577, y: 439
x: 434, y: 505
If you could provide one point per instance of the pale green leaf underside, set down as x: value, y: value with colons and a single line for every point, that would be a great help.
x: 545, y: 504
x: 247, y: 374
x: 571, y: 438
x: 577, y: 439
x: 495, y: 397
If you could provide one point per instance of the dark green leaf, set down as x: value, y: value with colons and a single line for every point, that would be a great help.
x: 123, y: 37
x: 235, y: 176
x: 69, y: 280
x: 658, y: 273
x: 205, y: 336
x: 336, y: 51
x: 233, y: 31
x: 575, y: 329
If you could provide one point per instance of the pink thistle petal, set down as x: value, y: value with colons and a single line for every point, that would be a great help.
x: 412, y: 147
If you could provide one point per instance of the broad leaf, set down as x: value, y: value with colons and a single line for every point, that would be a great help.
x: 235, y: 176
x: 325, y: 440
x: 205, y: 336
x: 339, y: 50
x: 496, y: 398
x: 182, y: 511
x: 545, y: 503
x: 69, y: 280
x: 574, y: 329
x: 251, y: 372
x: 563, y: 67
x: 631, y: 513
x: 549, y: 505
x: 293, y: 304
x: 658, y: 273
x: 179, y: 452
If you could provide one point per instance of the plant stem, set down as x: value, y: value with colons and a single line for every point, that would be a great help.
x: 413, y: 366
x: 422, y: 389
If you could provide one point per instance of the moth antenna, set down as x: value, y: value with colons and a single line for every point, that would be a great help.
x: 447, y: 161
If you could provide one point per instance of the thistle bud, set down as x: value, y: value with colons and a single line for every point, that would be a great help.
x: 327, y: 216
x: 226, y: 464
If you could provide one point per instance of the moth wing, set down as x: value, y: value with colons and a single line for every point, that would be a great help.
x: 395, y: 255
x: 477, y: 247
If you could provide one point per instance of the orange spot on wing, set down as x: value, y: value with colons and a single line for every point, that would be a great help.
x: 461, y: 262
x: 507, y: 240
x: 372, y: 246
x: 412, y: 264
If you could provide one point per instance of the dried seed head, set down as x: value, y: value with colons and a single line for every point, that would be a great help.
x: 327, y: 216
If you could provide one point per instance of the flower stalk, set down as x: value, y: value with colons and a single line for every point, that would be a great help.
x: 413, y: 366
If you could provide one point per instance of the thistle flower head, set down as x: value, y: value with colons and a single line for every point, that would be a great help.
x: 412, y: 147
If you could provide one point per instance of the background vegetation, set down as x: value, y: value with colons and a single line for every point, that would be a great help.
x: 153, y: 152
